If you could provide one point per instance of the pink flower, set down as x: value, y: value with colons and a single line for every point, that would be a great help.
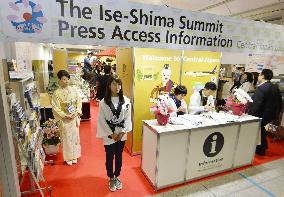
x: 162, y: 106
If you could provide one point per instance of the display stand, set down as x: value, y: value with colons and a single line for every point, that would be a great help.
x: 33, y: 179
x: 1, y: 190
x: 26, y: 130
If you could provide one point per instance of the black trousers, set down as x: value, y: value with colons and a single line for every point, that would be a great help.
x: 264, y: 143
x: 112, y: 150
x: 261, y: 149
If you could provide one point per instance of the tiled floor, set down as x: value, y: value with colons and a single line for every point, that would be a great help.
x: 264, y: 180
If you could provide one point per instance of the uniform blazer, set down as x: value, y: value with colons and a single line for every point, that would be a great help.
x: 267, y: 102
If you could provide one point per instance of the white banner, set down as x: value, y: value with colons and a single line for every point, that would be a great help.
x: 120, y: 23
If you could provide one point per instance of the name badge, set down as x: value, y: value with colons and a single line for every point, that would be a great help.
x: 71, y: 109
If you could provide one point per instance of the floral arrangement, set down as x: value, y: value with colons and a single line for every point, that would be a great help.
x: 237, y: 103
x: 162, y: 106
x: 240, y: 96
x: 51, y: 135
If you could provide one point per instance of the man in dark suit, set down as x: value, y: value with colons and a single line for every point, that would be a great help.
x: 101, y: 83
x: 267, y: 104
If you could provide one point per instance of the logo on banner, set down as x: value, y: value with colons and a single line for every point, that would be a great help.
x: 213, y: 144
x: 26, y: 17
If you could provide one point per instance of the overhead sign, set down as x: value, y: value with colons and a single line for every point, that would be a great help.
x: 121, y: 23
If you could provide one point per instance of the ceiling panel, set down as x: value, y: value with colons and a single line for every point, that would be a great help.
x: 239, y: 6
x: 191, y: 4
x: 213, y: 6
x: 154, y: 2
x: 252, y: 9
x: 181, y: 4
x: 219, y: 10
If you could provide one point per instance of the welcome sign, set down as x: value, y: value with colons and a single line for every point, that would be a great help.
x: 121, y: 23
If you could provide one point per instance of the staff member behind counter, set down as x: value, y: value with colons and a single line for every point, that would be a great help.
x: 177, y: 102
x: 202, y: 100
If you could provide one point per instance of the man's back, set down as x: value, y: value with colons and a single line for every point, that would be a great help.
x: 267, y: 102
x: 102, y: 84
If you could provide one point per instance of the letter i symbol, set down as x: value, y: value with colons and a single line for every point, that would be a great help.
x: 213, y: 144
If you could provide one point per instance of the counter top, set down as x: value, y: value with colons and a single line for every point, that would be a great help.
x: 164, y: 128
x: 189, y: 121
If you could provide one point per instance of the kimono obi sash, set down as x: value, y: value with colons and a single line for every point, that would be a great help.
x: 68, y: 107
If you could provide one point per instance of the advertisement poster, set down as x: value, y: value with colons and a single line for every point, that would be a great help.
x: 257, y: 62
x: 125, y: 72
x: 21, y: 67
x: 198, y: 68
x: 157, y: 71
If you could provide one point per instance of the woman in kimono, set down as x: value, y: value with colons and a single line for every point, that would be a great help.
x: 114, y: 121
x: 177, y: 102
x: 67, y: 109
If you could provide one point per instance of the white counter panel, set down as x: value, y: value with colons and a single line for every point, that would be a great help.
x: 211, y: 150
x: 172, y: 151
x: 246, y: 144
x: 149, y: 153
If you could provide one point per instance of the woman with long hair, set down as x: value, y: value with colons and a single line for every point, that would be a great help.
x: 247, y: 82
x: 114, y: 121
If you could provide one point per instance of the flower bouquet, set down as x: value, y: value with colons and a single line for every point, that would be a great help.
x: 162, y: 109
x: 51, y: 137
x: 238, y: 102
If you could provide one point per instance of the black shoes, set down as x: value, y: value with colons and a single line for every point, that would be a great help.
x: 260, y: 150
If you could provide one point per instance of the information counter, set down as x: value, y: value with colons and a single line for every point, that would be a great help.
x: 197, y: 146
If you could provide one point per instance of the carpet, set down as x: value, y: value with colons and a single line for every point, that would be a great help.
x: 88, y: 178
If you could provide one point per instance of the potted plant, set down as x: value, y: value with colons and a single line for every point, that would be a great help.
x: 162, y: 109
x: 51, y: 137
x: 238, y: 102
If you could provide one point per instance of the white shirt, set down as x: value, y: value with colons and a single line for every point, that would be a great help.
x: 226, y: 91
x: 246, y: 86
x: 105, y: 114
x: 195, y: 103
x: 262, y: 83
x: 174, y: 107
